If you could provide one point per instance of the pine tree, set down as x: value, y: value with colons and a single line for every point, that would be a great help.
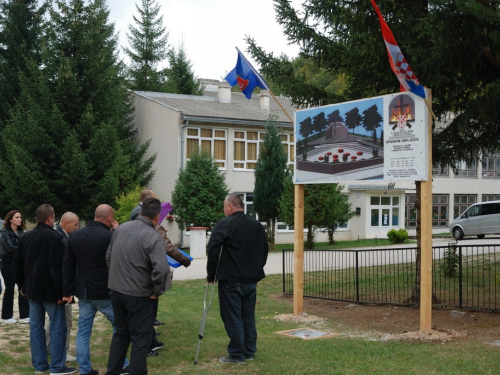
x: 199, y: 193
x: 148, y: 47
x: 69, y: 140
x: 21, y: 29
x: 180, y: 74
x: 269, y: 178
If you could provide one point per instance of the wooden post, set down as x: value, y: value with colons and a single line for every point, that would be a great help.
x: 298, y: 253
x: 426, y: 235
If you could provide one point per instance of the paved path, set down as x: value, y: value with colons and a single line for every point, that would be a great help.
x: 197, y: 270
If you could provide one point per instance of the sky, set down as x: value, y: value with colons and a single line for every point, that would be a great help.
x: 211, y: 29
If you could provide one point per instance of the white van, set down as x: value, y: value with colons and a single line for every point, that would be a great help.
x: 478, y: 220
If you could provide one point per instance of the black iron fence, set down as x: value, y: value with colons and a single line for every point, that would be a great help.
x: 463, y: 276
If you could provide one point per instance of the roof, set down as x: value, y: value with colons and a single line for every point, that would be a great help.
x: 209, y: 106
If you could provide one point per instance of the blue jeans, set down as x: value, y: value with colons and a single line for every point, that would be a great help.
x: 57, y: 335
x: 237, y: 310
x: 88, y: 309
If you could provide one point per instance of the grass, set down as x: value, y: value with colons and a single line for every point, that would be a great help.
x: 182, y: 307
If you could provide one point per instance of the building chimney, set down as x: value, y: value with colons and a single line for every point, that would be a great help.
x: 264, y: 99
x: 224, y: 92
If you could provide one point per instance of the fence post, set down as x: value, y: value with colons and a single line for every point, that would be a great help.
x: 283, y: 267
x: 460, y: 291
x: 357, y: 276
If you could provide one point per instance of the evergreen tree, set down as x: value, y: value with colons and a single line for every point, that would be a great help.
x: 269, y: 178
x: 20, y: 32
x: 372, y: 120
x: 148, y: 47
x: 69, y: 141
x: 180, y: 74
x: 199, y: 193
x: 353, y: 119
x: 451, y: 46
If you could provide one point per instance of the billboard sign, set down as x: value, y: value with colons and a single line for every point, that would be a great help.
x: 382, y: 138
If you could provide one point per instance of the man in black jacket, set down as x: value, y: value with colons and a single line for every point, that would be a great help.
x: 68, y: 223
x: 38, y: 268
x: 86, y: 276
x: 237, y: 254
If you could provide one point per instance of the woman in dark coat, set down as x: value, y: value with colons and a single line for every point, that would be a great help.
x: 13, y: 229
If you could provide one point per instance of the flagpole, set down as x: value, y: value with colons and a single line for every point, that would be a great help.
x: 283, y: 109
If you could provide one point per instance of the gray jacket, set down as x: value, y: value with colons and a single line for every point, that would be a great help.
x: 136, y: 259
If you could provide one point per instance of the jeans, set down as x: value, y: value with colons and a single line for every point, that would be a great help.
x: 134, y: 317
x: 237, y: 310
x: 57, y: 335
x: 88, y: 309
x: 69, y: 324
x: 8, y: 297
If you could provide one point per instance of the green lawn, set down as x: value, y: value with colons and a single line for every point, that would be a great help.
x: 182, y: 309
x: 370, y: 242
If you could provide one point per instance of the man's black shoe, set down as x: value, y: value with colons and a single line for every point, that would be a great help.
x: 125, y: 370
x: 158, y: 323
x: 152, y: 354
x: 157, y: 334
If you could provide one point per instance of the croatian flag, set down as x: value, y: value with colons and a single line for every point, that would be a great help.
x: 398, y: 62
x: 245, y: 76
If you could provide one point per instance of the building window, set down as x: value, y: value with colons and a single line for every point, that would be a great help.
x: 289, y: 147
x: 437, y: 171
x: 461, y: 203
x: 248, y: 204
x: 246, y: 149
x: 440, y: 210
x: 384, y: 211
x: 410, y: 211
x: 466, y: 170
x: 490, y: 197
x: 491, y: 166
x: 212, y: 141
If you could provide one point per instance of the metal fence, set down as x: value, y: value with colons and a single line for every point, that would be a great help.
x: 464, y: 277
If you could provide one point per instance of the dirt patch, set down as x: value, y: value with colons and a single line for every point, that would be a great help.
x: 395, y: 323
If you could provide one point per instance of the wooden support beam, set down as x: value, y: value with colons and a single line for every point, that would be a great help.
x: 426, y: 235
x: 298, y: 253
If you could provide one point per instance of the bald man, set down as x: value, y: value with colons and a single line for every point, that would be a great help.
x: 85, y: 275
x: 145, y: 194
x: 68, y: 223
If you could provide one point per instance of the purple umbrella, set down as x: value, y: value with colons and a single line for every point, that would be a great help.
x: 166, y: 207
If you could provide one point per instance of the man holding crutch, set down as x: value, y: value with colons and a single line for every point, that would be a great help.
x: 238, y: 268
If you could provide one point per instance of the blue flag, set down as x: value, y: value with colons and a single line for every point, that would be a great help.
x: 245, y: 76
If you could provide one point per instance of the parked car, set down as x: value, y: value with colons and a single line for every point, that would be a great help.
x: 478, y: 220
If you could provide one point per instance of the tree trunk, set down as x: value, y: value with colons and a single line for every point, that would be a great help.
x: 270, y: 233
x: 331, y: 231
x: 310, y: 237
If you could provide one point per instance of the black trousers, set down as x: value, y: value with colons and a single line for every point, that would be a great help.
x: 8, y: 297
x: 134, y: 317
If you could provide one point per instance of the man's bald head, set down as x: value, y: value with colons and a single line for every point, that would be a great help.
x: 145, y: 194
x: 69, y: 222
x: 104, y: 214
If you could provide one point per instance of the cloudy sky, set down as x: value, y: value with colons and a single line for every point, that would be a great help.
x: 211, y: 29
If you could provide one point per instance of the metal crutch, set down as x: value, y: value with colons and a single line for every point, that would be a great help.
x: 204, y: 318
x: 205, y: 310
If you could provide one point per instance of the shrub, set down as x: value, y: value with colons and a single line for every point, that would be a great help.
x: 397, y: 236
x: 450, y: 261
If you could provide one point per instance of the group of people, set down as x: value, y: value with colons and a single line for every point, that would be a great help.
x: 121, y: 271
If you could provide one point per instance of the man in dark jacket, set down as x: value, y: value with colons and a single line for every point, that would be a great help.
x: 86, y: 276
x: 68, y: 223
x: 138, y: 270
x: 38, y: 268
x: 237, y: 254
